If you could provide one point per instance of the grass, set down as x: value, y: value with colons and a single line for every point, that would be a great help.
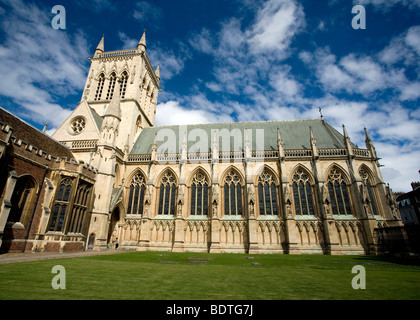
x: 195, y: 276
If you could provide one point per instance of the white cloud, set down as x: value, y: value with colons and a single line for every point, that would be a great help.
x: 413, y: 38
x: 145, y: 11
x: 276, y: 24
x: 403, y: 48
x: 400, y: 167
x: 359, y: 74
x: 170, y: 63
x: 283, y: 82
x: 410, y: 91
x: 172, y: 113
x: 244, y: 54
x: 128, y: 43
x: 202, y: 42
x: 47, y: 66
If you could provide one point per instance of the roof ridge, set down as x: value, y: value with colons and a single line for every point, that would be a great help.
x: 240, y: 122
x: 29, y: 125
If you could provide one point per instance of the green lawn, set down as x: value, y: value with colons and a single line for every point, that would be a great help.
x: 195, y: 276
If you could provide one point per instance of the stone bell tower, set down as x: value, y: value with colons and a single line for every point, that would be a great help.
x: 138, y: 88
x: 118, y: 101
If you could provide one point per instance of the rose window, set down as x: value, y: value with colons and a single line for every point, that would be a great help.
x: 78, y: 125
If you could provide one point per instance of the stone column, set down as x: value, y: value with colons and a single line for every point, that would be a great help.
x: 178, y: 241
x: 215, y: 221
x: 252, y: 222
x: 144, y: 238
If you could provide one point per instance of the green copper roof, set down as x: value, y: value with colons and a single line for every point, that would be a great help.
x: 261, y: 135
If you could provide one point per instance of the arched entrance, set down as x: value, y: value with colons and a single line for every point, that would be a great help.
x: 112, y: 230
x: 91, y: 241
x: 22, y: 200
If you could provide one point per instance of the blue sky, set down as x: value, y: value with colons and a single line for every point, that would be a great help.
x: 223, y: 61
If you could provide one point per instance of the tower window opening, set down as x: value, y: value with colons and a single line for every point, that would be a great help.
x: 111, y: 87
x: 100, y: 87
x: 123, y: 87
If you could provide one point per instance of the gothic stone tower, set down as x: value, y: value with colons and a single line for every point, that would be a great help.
x: 118, y: 101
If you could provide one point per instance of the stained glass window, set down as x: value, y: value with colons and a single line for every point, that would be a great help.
x: 167, y: 194
x: 233, y: 194
x: 302, y: 194
x: 339, y: 194
x: 267, y: 195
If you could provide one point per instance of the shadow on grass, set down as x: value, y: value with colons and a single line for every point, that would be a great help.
x: 406, y: 260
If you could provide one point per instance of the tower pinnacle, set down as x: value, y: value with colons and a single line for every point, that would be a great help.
x: 142, y: 43
x: 100, y: 48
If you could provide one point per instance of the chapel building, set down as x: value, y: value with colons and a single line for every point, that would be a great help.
x: 250, y: 187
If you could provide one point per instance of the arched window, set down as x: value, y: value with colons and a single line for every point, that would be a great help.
x: 339, y: 194
x: 80, y: 207
x: 100, y: 87
x: 60, y: 205
x: 199, y: 194
x: 136, y: 196
x: 267, y: 194
x: 123, y: 87
x: 111, y: 87
x: 167, y: 194
x: 370, y: 191
x: 21, y: 200
x: 232, y: 194
x: 302, y: 194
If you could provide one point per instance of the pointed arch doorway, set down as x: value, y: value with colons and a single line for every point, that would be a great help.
x: 113, y: 226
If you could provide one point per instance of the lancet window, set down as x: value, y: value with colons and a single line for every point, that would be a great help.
x: 267, y: 194
x: 100, y: 87
x: 80, y: 207
x: 339, y: 194
x: 136, y: 196
x: 60, y: 205
x: 233, y: 194
x: 123, y: 87
x: 111, y: 87
x: 199, y: 194
x: 302, y: 194
x: 167, y: 194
